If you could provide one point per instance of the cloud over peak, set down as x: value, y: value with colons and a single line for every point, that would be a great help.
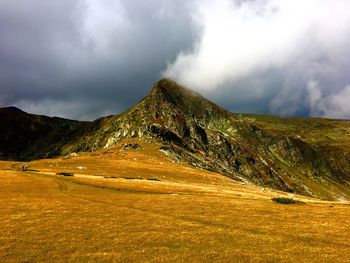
x: 243, y: 39
x: 98, y: 56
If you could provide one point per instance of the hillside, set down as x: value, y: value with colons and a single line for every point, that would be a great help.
x: 25, y: 136
x: 140, y: 205
x: 304, y: 156
x: 287, y: 154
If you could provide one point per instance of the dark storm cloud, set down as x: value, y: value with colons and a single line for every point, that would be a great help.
x: 87, y: 58
x: 83, y: 59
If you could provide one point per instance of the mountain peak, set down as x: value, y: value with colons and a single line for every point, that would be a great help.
x: 169, y: 87
x: 186, y: 100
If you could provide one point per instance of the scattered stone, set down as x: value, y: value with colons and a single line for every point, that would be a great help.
x: 65, y: 174
x: 130, y: 146
x: 24, y: 168
x: 154, y: 179
x: 110, y: 177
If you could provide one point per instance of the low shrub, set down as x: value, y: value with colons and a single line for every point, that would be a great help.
x: 286, y: 201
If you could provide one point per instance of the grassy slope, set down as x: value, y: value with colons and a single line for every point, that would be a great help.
x: 331, y: 138
x: 317, y: 131
x: 189, y: 215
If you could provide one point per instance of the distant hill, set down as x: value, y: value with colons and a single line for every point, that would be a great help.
x: 300, y: 155
x: 25, y: 136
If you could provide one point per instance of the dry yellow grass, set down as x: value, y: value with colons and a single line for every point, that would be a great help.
x: 188, y: 216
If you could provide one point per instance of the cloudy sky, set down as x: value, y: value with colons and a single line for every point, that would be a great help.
x: 87, y: 58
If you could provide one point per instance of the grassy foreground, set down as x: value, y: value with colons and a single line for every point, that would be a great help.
x: 130, y: 207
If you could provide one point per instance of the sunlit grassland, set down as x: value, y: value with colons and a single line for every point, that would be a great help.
x: 187, y: 216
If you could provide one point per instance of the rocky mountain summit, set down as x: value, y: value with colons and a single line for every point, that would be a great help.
x: 304, y: 156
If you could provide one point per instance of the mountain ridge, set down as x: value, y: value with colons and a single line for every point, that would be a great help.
x: 275, y: 153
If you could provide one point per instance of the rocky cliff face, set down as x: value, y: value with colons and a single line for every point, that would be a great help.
x: 294, y: 155
x: 196, y: 131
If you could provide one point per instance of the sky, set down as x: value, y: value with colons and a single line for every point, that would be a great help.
x: 85, y: 59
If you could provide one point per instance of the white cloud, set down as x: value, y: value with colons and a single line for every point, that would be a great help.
x: 333, y: 106
x: 243, y: 39
x: 338, y: 105
x: 315, y: 94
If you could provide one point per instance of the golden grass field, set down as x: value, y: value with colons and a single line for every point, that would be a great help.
x: 140, y: 206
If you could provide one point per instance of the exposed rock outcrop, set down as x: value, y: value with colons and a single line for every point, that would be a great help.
x: 286, y: 154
